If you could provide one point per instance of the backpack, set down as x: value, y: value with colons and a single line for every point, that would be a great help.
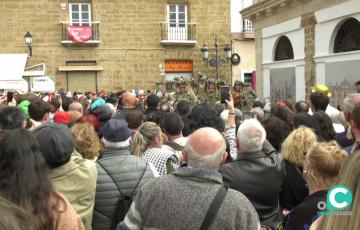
x: 124, y: 202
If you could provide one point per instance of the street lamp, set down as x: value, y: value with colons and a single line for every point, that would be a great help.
x: 216, y: 62
x: 28, y: 41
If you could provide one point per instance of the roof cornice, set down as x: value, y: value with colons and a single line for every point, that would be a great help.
x: 264, y: 8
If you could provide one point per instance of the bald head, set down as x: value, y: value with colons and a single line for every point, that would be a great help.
x: 76, y: 106
x: 205, y: 149
x: 129, y: 100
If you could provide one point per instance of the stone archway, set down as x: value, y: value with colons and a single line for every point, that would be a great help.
x: 283, y: 49
x: 348, y: 36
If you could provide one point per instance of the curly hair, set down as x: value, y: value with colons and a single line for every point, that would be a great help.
x: 277, y: 131
x: 296, y: 145
x: 204, y: 115
x: 87, y: 142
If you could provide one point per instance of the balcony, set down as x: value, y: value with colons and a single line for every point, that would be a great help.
x: 178, y: 34
x: 80, y: 33
x: 247, y: 32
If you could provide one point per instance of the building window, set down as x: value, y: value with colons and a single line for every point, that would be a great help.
x: 80, y: 14
x: 177, y: 22
x: 348, y: 36
x: 283, y: 50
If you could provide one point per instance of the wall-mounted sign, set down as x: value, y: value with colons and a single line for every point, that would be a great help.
x: 178, y: 66
x: 42, y: 84
x: 79, y: 34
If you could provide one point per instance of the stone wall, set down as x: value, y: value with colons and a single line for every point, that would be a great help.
x: 130, y: 49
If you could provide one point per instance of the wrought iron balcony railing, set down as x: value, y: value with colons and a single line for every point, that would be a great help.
x: 248, y: 25
x: 178, y: 33
x: 80, y: 33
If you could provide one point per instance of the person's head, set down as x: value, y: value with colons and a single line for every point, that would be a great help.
x: 205, y: 149
x: 11, y: 118
x: 322, y: 165
x: 103, y: 112
x: 304, y: 119
x: 258, y: 113
x: 149, y: 135
x: 258, y: 104
x: 276, y: 131
x: 204, y: 115
x: 9, y: 97
x: 24, y: 178
x: 250, y: 136
x: 301, y: 107
x: 76, y: 106
x: 91, y: 119
x: 66, y: 101
x: 297, y: 144
x: 183, y: 108
x: 116, y: 134
x: 129, y: 100
x: 319, y: 101
x: 289, y: 104
x: 238, y: 85
x: 349, y: 176
x: 112, y: 100
x: 355, y: 122
x: 357, y: 86
x: 210, y: 86
x: 182, y: 87
x: 280, y: 112
x: 56, y: 143
x: 39, y: 111
x: 172, y: 124
x: 62, y: 117
x: 153, y: 101
x: 349, y: 104
x: 326, y: 126
x: 134, y: 118
x: 87, y: 142
x: 54, y: 104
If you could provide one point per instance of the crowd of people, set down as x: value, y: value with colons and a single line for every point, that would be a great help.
x: 176, y: 159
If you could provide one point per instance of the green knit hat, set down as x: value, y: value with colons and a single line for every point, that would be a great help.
x: 24, y: 106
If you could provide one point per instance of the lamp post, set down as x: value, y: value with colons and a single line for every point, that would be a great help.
x: 28, y: 41
x: 217, y: 61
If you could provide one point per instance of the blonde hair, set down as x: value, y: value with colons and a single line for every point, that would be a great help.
x: 144, y: 137
x: 296, y: 145
x: 87, y: 142
x: 325, y: 160
x: 349, y: 176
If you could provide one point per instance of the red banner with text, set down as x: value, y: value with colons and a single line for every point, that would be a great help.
x: 79, y: 34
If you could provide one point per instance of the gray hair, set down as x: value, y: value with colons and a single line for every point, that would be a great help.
x: 121, y: 144
x: 251, y: 136
x: 196, y: 160
x: 350, y: 101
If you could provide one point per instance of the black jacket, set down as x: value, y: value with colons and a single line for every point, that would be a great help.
x: 259, y: 176
x: 117, y: 170
x: 294, y: 189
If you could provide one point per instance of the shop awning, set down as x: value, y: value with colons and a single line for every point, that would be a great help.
x: 35, y: 71
x: 12, y: 66
x: 71, y: 68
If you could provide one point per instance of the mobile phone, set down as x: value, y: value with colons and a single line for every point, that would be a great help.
x: 224, y: 93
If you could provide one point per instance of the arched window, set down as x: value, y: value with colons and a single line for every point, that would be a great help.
x: 348, y: 36
x: 283, y: 50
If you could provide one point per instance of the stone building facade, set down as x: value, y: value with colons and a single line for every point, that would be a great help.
x: 132, y: 40
x: 306, y: 42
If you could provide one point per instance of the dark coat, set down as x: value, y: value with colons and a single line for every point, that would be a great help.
x: 259, y: 176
